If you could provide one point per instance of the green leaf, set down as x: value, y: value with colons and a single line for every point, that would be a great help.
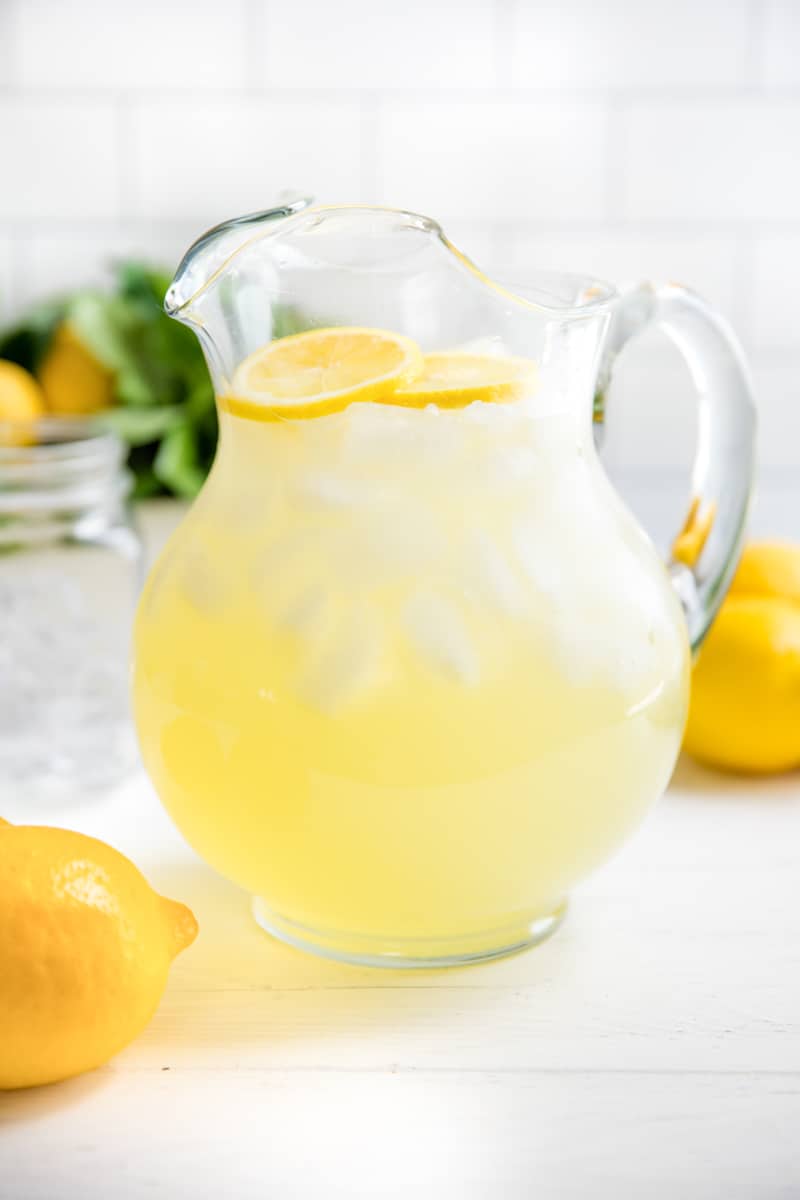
x: 103, y: 325
x: 136, y: 388
x: 27, y: 342
x: 176, y: 464
x: 146, y: 484
x: 138, y: 426
x: 200, y: 399
x: 144, y: 284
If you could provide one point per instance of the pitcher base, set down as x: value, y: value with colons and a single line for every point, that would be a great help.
x: 410, y: 953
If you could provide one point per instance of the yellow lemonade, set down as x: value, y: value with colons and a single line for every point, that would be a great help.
x: 408, y: 673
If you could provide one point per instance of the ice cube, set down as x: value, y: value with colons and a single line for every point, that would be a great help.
x: 326, y: 490
x: 540, y: 558
x: 291, y: 580
x: 488, y: 576
x: 249, y: 509
x: 306, y: 611
x: 346, y: 667
x: 508, y: 467
x: 490, y: 345
x: 299, y: 544
x: 440, y: 637
x: 385, y: 438
x: 376, y: 433
x: 203, y: 584
x: 388, y: 543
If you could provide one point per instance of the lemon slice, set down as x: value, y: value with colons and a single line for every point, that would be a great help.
x: 457, y: 378
x: 322, y: 371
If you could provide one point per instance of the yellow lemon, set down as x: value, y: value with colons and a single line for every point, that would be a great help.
x: 73, y: 381
x: 744, y: 713
x: 456, y: 378
x: 85, y: 946
x: 769, y: 569
x: 322, y: 371
x: 21, y: 401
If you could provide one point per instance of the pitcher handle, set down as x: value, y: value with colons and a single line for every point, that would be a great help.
x: 705, y: 552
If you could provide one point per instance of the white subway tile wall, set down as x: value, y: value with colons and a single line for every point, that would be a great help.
x: 103, y: 45
x: 782, y: 43
x: 61, y: 159
x: 705, y: 262
x: 361, y: 44
x: 717, y: 162
x: 623, y: 138
x: 6, y: 277
x: 53, y: 261
x: 208, y: 158
x: 622, y: 43
x: 776, y: 322
x: 5, y: 42
x: 499, y: 161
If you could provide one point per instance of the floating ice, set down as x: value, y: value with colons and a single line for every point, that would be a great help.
x: 488, y: 576
x: 390, y: 543
x: 203, y: 584
x: 491, y: 345
x: 291, y: 580
x: 380, y: 437
x: 439, y: 635
x: 247, y: 508
x: 377, y: 433
x: 326, y: 489
x: 346, y: 667
x: 541, y: 558
x: 306, y: 611
x: 510, y: 466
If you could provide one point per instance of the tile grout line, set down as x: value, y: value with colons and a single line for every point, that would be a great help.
x: 744, y: 310
x: 125, y: 165
x: 254, y: 51
x: 503, y: 23
x: 371, y: 115
x: 753, y: 64
x: 19, y: 271
x: 616, y: 159
x: 656, y: 95
x: 13, y: 58
x: 548, y: 225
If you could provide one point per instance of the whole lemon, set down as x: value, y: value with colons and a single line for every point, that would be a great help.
x: 21, y: 401
x: 73, y: 381
x: 85, y: 946
x: 744, y: 713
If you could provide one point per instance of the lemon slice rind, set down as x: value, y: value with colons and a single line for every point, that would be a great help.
x: 275, y: 383
x: 455, y: 379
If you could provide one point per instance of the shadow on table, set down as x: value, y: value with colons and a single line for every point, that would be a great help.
x: 692, y: 776
x: 31, y: 1104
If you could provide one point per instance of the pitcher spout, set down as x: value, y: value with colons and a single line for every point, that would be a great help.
x: 209, y: 253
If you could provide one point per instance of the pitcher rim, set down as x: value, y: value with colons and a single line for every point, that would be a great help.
x: 597, y: 295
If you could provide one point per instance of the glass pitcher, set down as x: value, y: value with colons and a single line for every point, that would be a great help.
x: 409, y: 669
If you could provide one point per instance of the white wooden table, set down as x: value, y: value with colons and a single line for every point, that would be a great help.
x: 651, y: 1049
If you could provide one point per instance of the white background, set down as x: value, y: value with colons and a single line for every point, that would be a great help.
x: 625, y: 138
